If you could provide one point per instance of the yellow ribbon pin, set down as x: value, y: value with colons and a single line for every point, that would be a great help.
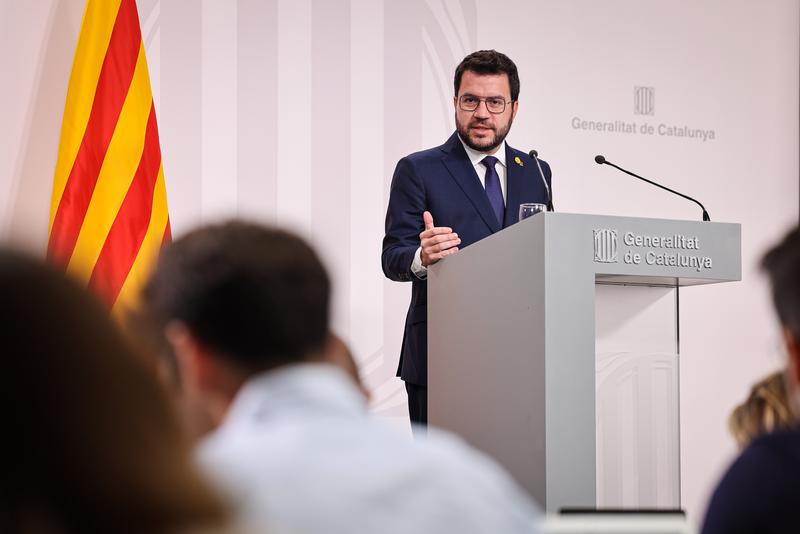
x: 518, y: 161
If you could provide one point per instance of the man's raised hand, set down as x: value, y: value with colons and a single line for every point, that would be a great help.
x: 436, y: 242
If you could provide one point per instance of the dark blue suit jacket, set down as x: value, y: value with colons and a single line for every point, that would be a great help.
x: 443, y: 181
x: 760, y: 493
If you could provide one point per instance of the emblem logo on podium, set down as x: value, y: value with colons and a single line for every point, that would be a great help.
x: 605, y: 246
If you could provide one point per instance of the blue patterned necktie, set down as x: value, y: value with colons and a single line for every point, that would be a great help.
x: 493, y: 191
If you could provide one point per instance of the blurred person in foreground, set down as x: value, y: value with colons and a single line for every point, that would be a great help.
x: 91, y: 443
x: 760, y: 492
x: 246, y: 310
x: 765, y: 410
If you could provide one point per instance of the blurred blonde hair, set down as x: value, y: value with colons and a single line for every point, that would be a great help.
x: 765, y: 410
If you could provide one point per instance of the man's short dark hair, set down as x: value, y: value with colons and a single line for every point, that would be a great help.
x: 256, y: 296
x: 489, y: 62
x: 782, y: 265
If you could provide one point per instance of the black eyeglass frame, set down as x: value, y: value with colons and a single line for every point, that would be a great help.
x: 485, y: 102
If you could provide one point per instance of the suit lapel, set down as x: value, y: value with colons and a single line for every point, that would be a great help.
x: 460, y: 168
x: 514, y: 189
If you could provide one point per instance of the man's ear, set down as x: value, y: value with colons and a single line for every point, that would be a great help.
x: 514, y: 109
x: 194, y: 362
x: 793, y: 353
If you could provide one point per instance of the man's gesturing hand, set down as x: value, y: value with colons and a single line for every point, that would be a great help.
x: 436, y: 242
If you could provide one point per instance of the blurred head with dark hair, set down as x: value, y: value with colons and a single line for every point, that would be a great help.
x: 236, y: 299
x: 91, y: 443
x: 782, y: 266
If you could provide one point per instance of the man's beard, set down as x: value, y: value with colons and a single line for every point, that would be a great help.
x: 487, y: 145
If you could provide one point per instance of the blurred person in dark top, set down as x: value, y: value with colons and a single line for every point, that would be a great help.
x: 760, y: 492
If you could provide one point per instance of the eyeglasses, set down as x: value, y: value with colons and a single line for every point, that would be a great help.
x: 494, y: 104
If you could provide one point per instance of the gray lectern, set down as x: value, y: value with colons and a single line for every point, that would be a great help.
x: 553, y: 347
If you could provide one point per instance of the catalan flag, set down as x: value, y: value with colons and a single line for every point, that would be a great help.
x: 108, y: 215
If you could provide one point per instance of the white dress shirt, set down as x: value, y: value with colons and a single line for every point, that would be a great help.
x: 475, y: 157
x: 298, y: 454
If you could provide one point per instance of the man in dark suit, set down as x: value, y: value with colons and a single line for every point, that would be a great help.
x: 451, y: 196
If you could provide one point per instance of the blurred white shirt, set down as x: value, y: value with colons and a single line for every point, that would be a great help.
x: 298, y: 453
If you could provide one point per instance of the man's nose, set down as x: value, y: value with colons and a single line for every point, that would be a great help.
x: 482, y: 111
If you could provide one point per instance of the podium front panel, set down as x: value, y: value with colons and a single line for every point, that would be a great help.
x: 637, y: 402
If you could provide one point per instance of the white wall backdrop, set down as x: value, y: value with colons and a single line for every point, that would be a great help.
x: 295, y: 112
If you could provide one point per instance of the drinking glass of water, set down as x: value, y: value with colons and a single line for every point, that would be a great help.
x: 529, y: 209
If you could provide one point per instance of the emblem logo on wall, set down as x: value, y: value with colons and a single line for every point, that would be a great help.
x: 605, y: 246
x: 644, y: 100
x: 644, y: 107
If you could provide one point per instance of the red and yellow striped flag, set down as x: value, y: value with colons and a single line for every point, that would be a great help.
x: 108, y: 216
